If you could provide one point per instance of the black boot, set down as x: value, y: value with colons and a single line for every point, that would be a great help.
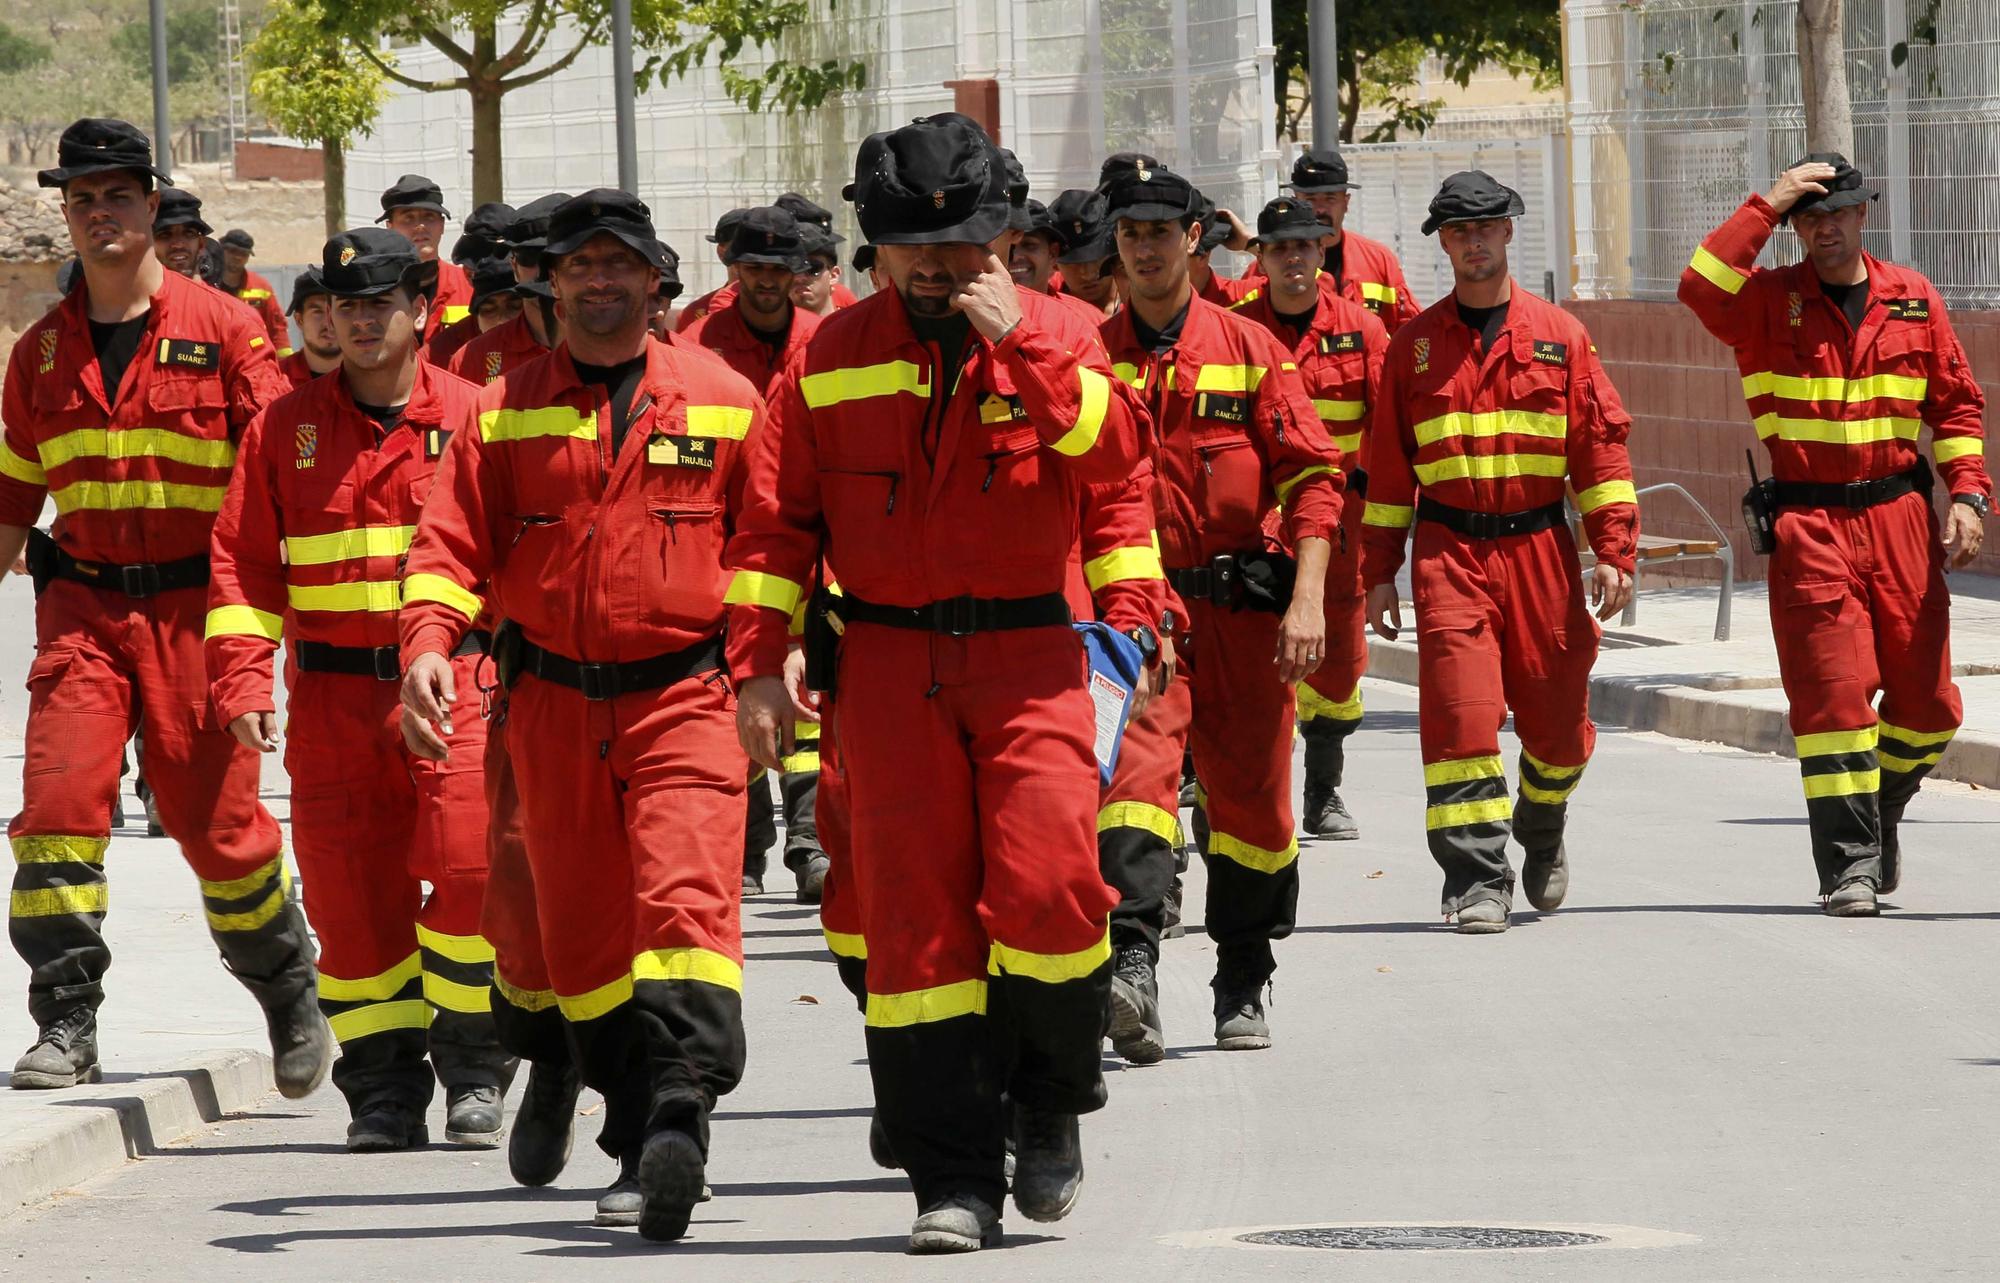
x: 1048, y: 1168
x: 955, y: 1223
x: 1325, y: 814
x: 812, y: 878
x: 670, y: 1178
x: 1239, y: 1011
x: 544, y: 1125
x: 385, y: 1125
x: 64, y: 1054
x: 620, y: 1205
x: 1135, y: 1008
x: 1892, y: 847
x: 879, y: 1147
x: 1171, y: 926
x: 473, y: 1115
x: 274, y: 961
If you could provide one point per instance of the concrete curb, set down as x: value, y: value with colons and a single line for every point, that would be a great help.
x: 92, y: 1130
x: 1734, y: 717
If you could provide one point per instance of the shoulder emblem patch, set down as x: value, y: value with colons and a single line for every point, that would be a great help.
x: 494, y: 360
x: 306, y: 438
x: 1795, y: 308
x: 48, y: 341
x: 1421, y: 350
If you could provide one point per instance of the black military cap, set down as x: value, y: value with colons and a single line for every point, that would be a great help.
x: 1122, y: 164
x: 670, y: 275
x: 771, y: 236
x: 864, y: 257
x: 304, y: 286
x: 725, y: 227
x: 937, y: 181
x: 605, y: 211
x: 1147, y: 195
x: 1317, y: 171
x: 1078, y: 219
x: 1472, y: 196
x: 237, y: 238
x: 413, y: 191
x: 1214, y: 232
x: 363, y: 262
x: 1289, y: 219
x: 1040, y: 224
x: 179, y: 208
x: 491, y: 276
x: 529, y: 228
x: 866, y: 157
x: 484, y: 234
x: 817, y: 240
x: 805, y: 211
x: 93, y: 145
x: 1845, y: 188
x: 1017, y: 191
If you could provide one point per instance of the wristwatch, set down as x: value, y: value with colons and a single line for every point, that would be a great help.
x: 1979, y: 503
x: 1149, y: 644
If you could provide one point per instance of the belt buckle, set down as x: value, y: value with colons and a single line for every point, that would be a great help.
x: 388, y: 663
x: 139, y: 581
x: 1858, y: 494
x: 958, y: 616
x: 598, y: 681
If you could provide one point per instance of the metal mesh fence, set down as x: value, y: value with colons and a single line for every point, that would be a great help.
x: 1680, y: 108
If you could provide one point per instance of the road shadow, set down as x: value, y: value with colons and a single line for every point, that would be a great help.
x: 1770, y: 909
x: 788, y: 915
x: 789, y: 955
x: 749, y: 1115
x: 793, y: 1189
x: 783, y: 933
x: 298, y: 1205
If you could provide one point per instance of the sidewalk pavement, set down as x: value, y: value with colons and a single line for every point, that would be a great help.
x: 1667, y: 673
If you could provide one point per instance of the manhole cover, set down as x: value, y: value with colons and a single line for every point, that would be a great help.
x: 1419, y: 1238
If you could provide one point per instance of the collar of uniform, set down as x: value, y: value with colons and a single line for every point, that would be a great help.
x: 425, y: 408
x: 730, y: 327
x: 73, y: 313
x: 662, y: 380
x: 1885, y: 280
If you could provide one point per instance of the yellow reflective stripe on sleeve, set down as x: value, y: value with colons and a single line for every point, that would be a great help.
x: 755, y: 588
x: 844, y: 945
x: 1126, y: 372
x: 688, y: 963
x: 526, y: 425
x: 1349, y: 444
x: 799, y: 763
x: 1915, y: 739
x: 455, y: 312
x: 380, y: 1018
x: 1164, y: 825
x: 450, y: 995
x: 1792, y: 387
x: 1389, y: 516
x: 1315, y: 707
x: 50, y: 902
x: 473, y: 951
x: 444, y: 592
x: 1376, y: 292
x: 256, y: 342
x: 136, y: 443
x: 926, y: 1006
x: 1488, y: 467
x: 1300, y: 477
x: 1453, y: 815
x: 377, y: 595
x: 1838, y: 431
x: 1251, y: 856
x: 1092, y: 405
x: 1463, y: 770
x: 1829, y: 742
x: 525, y: 999
x: 1340, y: 411
x: 1842, y: 783
x: 1606, y: 492
x: 255, y: 880
x: 859, y: 383
x: 1052, y: 968
x: 1547, y: 771
x: 378, y: 988
x: 1246, y: 300
x: 1520, y: 423
x: 348, y: 545
x: 730, y: 422
x: 1716, y: 272
x: 1121, y: 564
x: 599, y: 1001
x: 243, y: 621
x: 58, y: 848
x: 253, y: 295
x: 1944, y: 448
x: 25, y: 471
x: 1230, y: 378
x: 124, y: 496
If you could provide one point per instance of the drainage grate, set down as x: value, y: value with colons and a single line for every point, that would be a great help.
x: 1419, y: 1238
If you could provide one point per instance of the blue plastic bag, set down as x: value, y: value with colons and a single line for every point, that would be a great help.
x: 1115, y: 664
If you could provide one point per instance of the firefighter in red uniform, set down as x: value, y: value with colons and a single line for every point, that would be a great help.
x: 536, y: 328
x: 1844, y: 358
x: 180, y: 232
x: 319, y: 348
x: 483, y: 238
x: 1088, y: 252
x: 1489, y: 401
x: 812, y: 214
x: 1363, y: 271
x: 596, y: 496
x: 320, y: 511
x: 124, y: 405
x: 238, y: 279
x: 1338, y: 347
x: 716, y: 299
x: 815, y: 286
x: 414, y: 206
x: 938, y: 443
x: 1237, y: 437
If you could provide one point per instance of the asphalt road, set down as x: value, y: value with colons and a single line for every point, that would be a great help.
x: 1688, y: 1061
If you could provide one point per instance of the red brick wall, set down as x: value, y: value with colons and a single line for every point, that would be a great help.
x: 291, y: 164
x: 1689, y: 422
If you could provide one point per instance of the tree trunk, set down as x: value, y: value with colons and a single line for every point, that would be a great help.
x: 1350, y: 106
x: 334, y: 152
x: 1822, y: 44
x: 487, y: 181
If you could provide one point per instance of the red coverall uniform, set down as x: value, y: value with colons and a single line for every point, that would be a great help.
x: 1340, y: 361
x: 500, y: 351
x: 295, y: 369
x: 451, y: 340
x: 137, y: 476
x: 631, y: 791
x: 717, y: 300
x: 257, y: 292
x: 1235, y: 436
x: 1858, y: 598
x: 1369, y: 275
x: 453, y: 301
x: 320, y: 511
x: 968, y: 757
x: 1502, y: 619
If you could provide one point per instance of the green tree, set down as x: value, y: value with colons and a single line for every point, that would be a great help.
x: 1382, y: 46
x: 675, y: 36
x: 20, y: 53
x: 316, y: 88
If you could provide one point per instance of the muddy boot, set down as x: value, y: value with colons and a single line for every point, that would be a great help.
x: 1854, y: 898
x: 1325, y: 815
x: 1048, y: 1170
x: 386, y: 1125
x: 64, y: 1054
x: 670, y: 1179
x: 620, y: 1204
x: 955, y: 1223
x: 1135, y: 1009
x: 544, y: 1125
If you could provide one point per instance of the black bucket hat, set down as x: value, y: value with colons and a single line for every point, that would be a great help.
x: 528, y: 231
x: 237, y: 238
x: 1472, y: 196
x: 1214, y: 232
x: 491, y: 276
x: 805, y: 211
x: 605, y: 211
x: 1289, y: 219
x: 94, y: 145
x: 1318, y: 171
x: 1846, y: 187
x: 307, y: 284
x: 770, y: 236
x: 1148, y: 195
x: 864, y: 257
x: 1078, y: 219
x: 1018, y: 218
x: 413, y: 191
x: 938, y: 180
x: 725, y: 227
x: 484, y: 233
x: 179, y: 208
x: 366, y: 261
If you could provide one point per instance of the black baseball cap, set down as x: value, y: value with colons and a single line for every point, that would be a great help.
x: 304, y: 286
x: 413, y: 191
x: 805, y: 211
x: 1471, y: 196
x: 237, y: 238
x: 363, y: 262
x: 1319, y: 170
x: 938, y: 180
x: 1078, y: 219
x: 1148, y: 195
x: 179, y: 208
x: 1846, y: 187
x: 769, y: 235
x: 1289, y: 219
x: 94, y: 145
x: 605, y: 211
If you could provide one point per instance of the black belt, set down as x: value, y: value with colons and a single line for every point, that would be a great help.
x: 381, y: 662
x: 608, y: 681
x: 1490, y: 525
x: 961, y: 616
x: 1216, y: 582
x: 1854, y: 494
x: 143, y: 580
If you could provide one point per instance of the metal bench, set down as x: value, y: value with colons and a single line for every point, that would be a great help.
x: 1660, y: 550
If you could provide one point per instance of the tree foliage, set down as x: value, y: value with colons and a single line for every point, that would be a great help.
x: 315, y: 87
x: 20, y: 52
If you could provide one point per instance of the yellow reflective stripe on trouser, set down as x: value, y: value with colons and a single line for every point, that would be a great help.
x: 525, y: 999
x: 604, y: 998
x: 1050, y: 968
x: 348, y: 545
x: 237, y: 888
x: 1825, y: 743
x: 799, y: 763
x: 128, y: 496
x: 1315, y: 707
x: 844, y: 945
x: 1562, y: 779
x: 58, y: 848
x: 1842, y: 783
x: 688, y: 963
x: 450, y: 995
x: 243, y: 621
x: 377, y: 988
x: 444, y: 592
x: 527, y: 425
x: 376, y: 595
x: 471, y: 950
x: 1230, y: 378
x: 1838, y: 431
x: 380, y: 1017
x: 1792, y: 387
x: 1164, y: 825
x: 1929, y: 746
x: 1237, y: 851
x: 755, y: 588
x: 1495, y: 423
x: 1606, y: 492
x: 1389, y: 516
x: 1945, y: 449
x: 250, y: 919
x: 730, y: 422
x: 1488, y: 467
x: 1463, y: 770
x: 1716, y: 272
x: 1138, y: 562
x: 136, y: 443
x: 1454, y: 815
x: 926, y: 1006
x: 49, y: 902
x: 1093, y: 403
x: 1550, y: 772
x: 859, y: 383
x: 24, y: 470
x: 1299, y: 478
